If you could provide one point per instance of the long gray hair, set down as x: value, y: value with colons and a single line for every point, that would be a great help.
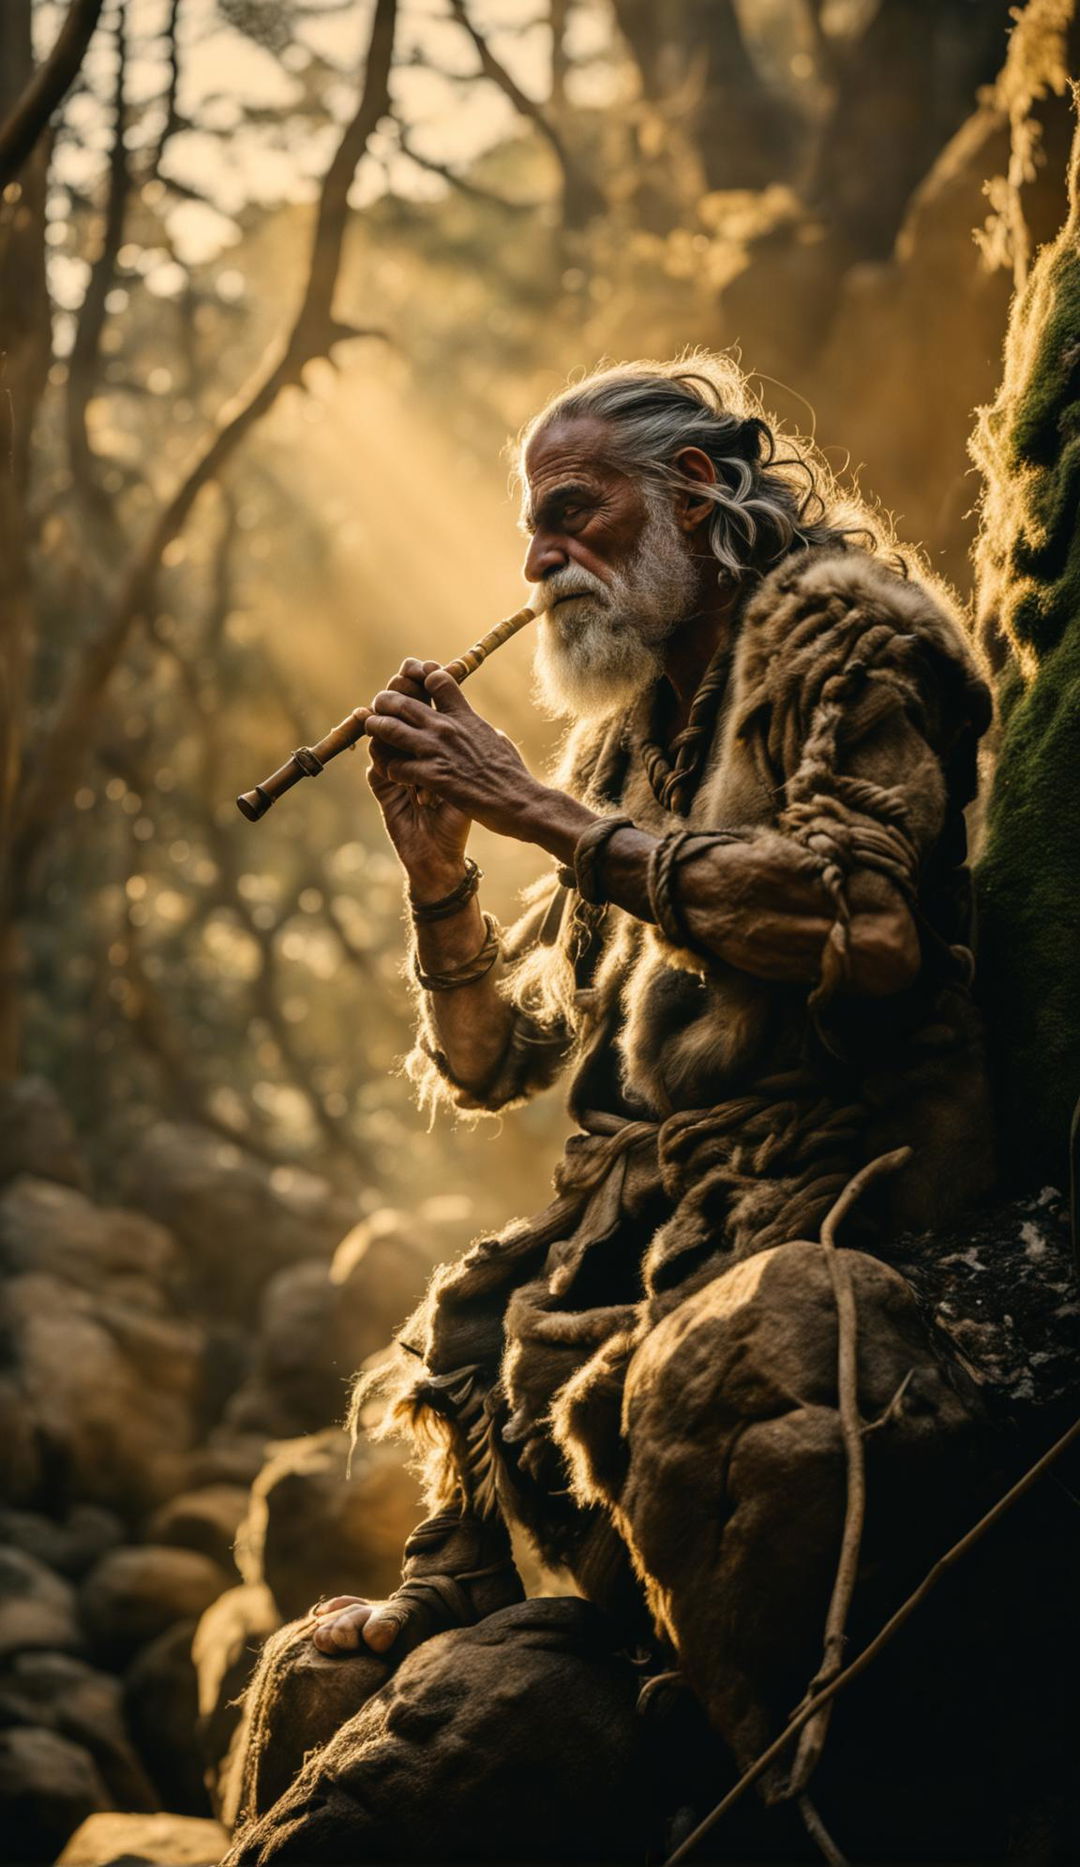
x: 765, y: 501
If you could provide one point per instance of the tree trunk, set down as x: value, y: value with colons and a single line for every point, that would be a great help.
x: 26, y: 348
x: 902, y: 89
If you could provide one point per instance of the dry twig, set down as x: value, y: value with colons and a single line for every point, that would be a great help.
x: 881, y: 1640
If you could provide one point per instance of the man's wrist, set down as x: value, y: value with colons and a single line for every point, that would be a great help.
x: 554, y: 821
x: 434, y: 881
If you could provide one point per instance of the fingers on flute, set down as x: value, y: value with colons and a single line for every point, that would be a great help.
x: 446, y: 692
x: 402, y: 706
x: 396, y: 733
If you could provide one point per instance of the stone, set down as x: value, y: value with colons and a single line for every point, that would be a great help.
x: 513, y: 1740
x: 134, y: 1594
x: 56, y: 1692
x: 379, y: 1273
x: 725, y: 1471
x: 21, y: 1474
x: 227, y: 1458
x: 37, y: 1135
x: 205, y: 1520
x: 312, y: 1531
x: 48, y: 1785
x: 300, y: 1369
x: 237, y: 1220
x: 225, y: 1651
x: 296, y: 1702
x: 37, y: 1608
x: 161, y: 1705
x: 104, y: 1250
x: 110, y: 1393
x: 70, y: 1545
x: 114, y: 1840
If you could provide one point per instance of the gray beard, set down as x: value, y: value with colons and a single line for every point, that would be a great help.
x: 597, y: 653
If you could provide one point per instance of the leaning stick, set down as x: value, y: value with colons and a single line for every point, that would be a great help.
x: 309, y: 761
x: 859, y: 1664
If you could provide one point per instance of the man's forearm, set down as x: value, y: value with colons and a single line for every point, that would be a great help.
x: 754, y: 906
x: 472, y: 1023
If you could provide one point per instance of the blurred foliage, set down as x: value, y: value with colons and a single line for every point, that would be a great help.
x: 553, y: 183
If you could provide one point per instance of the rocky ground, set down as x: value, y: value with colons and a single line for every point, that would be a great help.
x: 172, y: 1474
x: 173, y: 1478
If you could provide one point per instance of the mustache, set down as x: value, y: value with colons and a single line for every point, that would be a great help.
x: 568, y: 580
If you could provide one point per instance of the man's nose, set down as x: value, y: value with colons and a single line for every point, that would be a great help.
x: 542, y: 557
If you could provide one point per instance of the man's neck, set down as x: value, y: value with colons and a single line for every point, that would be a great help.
x: 688, y: 652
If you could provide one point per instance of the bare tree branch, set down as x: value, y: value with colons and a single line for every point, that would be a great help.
x: 47, y: 88
x: 173, y: 121
x: 558, y: 15
x: 86, y: 349
x: 61, y: 752
x: 470, y: 189
x: 582, y: 199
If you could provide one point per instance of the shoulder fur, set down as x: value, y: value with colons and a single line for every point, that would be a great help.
x: 828, y: 616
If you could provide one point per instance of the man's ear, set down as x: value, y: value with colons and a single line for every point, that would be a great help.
x: 693, y: 464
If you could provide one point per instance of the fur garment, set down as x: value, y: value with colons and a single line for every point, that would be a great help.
x: 719, y: 1114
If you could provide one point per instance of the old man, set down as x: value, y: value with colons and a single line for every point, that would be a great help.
x: 752, y: 954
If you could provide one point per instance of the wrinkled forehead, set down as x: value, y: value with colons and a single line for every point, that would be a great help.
x: 568, y: 448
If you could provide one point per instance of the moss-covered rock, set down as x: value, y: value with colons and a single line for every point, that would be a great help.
x: 1028, y: 562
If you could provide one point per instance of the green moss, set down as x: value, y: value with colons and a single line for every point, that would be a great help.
x: 1028, y: 562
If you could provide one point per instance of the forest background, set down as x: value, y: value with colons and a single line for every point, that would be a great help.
x: 278, y: 280
x: 275, y: 293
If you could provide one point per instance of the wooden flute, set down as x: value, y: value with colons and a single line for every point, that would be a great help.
x: 309, y: 761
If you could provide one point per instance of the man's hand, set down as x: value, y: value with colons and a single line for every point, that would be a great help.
x: 346, y: 1621
x: 429, y: 836
x: 427, y: 736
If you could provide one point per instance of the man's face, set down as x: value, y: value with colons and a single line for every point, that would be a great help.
x: 613, y: 570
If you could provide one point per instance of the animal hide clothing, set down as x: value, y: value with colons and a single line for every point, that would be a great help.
x: 718, y: 1114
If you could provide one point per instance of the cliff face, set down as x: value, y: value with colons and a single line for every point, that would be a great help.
x: 1027, y: 446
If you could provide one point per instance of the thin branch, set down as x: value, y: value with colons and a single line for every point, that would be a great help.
x: 47, y: 88
x: 852, y: 1428
x: 173, y: 120
x: 86, y: 349
x: 61, y: 753
x: 468, y: 188
x: 582, y: 199
x: 881, y: 1640
x: 558, y: 17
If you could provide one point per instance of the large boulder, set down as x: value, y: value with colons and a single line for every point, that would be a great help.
x: 228, y: 1457
x: 48, y: 1785
x: 37, y: 1135
x: 101, y: 1249
x: 136, y: 1593
x: 71, y: 1544
x: 225, y: 1652
x: 114, y: 1840
x: 55, y: 1692
x: 514, y: 1740
x: 108, y: 1393
x: 313, y: 1530
x: 300, y: 1363
x: 716, y: 1442
x: 237, y: 1219
x: 161, y: 1704
x: 206, y: 1520
x: 37, y: 1608
x: 379, y: 1272
x: 296, y: 1702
